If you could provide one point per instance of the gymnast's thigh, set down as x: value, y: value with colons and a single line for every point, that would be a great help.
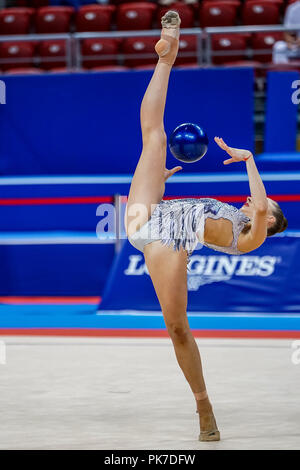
x: 168, y: 272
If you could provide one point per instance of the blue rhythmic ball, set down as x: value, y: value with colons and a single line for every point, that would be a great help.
x: 188, y: 143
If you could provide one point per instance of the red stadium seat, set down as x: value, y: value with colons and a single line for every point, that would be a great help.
x: 192, y: 65
x: 120, y: 2
x: 112, y: 68
x: 218, y: 13
x: 99, y: 52
x: 94, y: 18
x: 15, y: 20
x: 139, y: 51
x: 32, y: 3
x: 279, y: 2
x: 244, y: 64
x: 187, y: 52
x: 257, y: 12
x: 145, y: 67
x: 264, y: 41
x: 62, y: 70
x: 52, y: 54
x: 186, y: 12
x: 135, y: 16
x: 25, y: 71
x: 15, y: 54
x: 228, y: 43
x: 290, y: 67
x: 53, y: 19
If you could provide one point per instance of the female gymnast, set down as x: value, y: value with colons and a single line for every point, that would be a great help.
x: 168, y: 231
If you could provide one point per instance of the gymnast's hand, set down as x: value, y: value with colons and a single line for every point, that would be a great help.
x: 237, y: 155
x: 169, y: 173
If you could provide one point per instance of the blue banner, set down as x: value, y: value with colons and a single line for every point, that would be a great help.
x: 266, y: 280
x: 65, y: 268
x: 281, y: 112
x: 90, y: 123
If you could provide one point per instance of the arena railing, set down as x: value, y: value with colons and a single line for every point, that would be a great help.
x: 73, y: 55
x: 37, y: 38
x: 209, y: 53
x: 205, y: 52
x: 135, y: 34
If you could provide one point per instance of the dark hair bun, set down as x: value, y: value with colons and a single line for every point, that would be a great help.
x: 280, y: 223
x: 283, y: 225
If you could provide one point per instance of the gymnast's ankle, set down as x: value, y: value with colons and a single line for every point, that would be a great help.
x: 203, y: 404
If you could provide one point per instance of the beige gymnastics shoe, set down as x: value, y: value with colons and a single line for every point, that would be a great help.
x: 167, y: 46
x: 214, y: 433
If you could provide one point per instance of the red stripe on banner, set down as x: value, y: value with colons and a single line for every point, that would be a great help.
x: 50, y: 300
x: 56, y: 200
x: 130, y: 333
x: 286, y: 197
x: 276, y: 197
x: 110, y: 199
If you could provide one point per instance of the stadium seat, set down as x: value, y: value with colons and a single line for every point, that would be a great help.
x: 53, y: 19
x: 279, y: 2
x: 244, y: 64
x: 94, y: 18
x: 145, y: 67
x: 25, y: 71
x: 15, y: 54
x: 99, y: 52
x: 121, y: 2
x: 62, y: 70
x: 264, y: 41
x: 112, y: 68
x: 218, y: 13
x: 292, y: 66
x: 139, y: 51
x: 32, y: 3
x: 262, y: 12
x: 52, y: 54
x: 135, y: 16
x: 187, y: 52
x: 186, y: 12
x: 15, y: 20
x: 229, y: 43
x: 192, y: 65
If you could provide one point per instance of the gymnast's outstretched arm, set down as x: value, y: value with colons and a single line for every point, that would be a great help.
x: 260, y: 213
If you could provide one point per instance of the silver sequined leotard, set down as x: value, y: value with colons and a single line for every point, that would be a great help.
x: 181, y: 222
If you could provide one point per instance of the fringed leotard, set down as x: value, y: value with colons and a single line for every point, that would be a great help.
x: 180, y: 223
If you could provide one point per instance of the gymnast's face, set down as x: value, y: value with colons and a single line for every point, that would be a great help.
x: 249, y: 208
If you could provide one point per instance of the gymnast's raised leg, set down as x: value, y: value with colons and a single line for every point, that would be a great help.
x: 148, y: 183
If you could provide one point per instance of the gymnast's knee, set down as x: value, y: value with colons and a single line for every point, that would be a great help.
x: 179, y: 333
x: 154, y: 136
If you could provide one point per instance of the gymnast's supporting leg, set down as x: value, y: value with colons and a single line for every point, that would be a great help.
x: 148, y: 183
x: 166, y: 267
x: 168, y: 272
